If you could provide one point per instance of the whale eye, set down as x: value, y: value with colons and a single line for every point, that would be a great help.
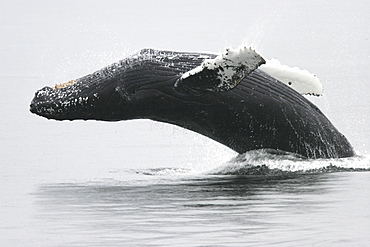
x: 289, y: 83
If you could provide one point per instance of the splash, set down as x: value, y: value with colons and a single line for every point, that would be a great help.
x: 268, y: 163
x: 265, y: 162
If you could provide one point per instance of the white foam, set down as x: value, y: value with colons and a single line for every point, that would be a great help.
x: 290, y: 163
x: 300, y: 80
x: 261, y: 162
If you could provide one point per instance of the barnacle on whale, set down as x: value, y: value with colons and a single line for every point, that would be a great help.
x: 66, y: 84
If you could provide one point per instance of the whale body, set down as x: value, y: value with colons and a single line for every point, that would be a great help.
x: 251, y: 111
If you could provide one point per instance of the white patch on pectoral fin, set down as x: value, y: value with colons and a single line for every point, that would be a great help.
x: 222, y: 73
x: 301, y: 81
x: 226, y: 71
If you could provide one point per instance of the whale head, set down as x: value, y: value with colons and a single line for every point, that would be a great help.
x: 115, y: 93
x: 100, y: 98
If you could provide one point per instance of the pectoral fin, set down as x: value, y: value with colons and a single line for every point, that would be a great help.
x: 222, y: 73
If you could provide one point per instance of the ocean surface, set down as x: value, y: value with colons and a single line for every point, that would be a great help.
x: 142, y: 183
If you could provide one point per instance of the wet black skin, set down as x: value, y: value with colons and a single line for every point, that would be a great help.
x: 260, y: 113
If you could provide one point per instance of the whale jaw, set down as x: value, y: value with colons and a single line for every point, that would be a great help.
x: 99, y: 101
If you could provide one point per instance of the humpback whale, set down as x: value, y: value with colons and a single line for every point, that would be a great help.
x: 228, y: 98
